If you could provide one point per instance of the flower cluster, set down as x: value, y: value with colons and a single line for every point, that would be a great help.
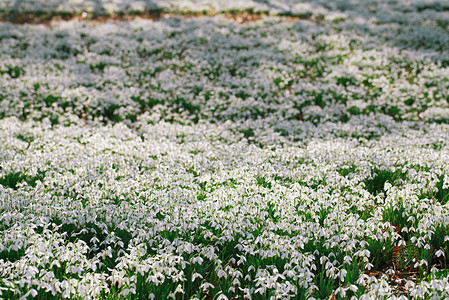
x: 200, y: 157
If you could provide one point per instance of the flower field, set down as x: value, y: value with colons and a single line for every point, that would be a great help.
x: 224, y: 149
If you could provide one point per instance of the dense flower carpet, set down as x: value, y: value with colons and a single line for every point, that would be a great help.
x: 224, y: 149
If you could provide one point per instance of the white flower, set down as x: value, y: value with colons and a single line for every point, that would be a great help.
x: 195, y: 276
x: 343, y: 273
x: 222, y: 297
x: 206, y: 285
x: 236, y: 282
x: 221, y: 273
x: 439, y: 253
x: 179, y: 289
x: 353, y: 288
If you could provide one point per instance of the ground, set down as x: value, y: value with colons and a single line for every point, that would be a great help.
x: 258, y: 149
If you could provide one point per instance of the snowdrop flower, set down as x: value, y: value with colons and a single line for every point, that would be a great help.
x: 439, y: 253
x: 206, y: 285
x: 222, y: 297
x: 195, y: 276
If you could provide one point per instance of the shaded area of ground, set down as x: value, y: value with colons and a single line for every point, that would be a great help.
x: 244, y: 16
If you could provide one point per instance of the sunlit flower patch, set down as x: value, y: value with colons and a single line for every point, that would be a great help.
x: 297, y: 156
